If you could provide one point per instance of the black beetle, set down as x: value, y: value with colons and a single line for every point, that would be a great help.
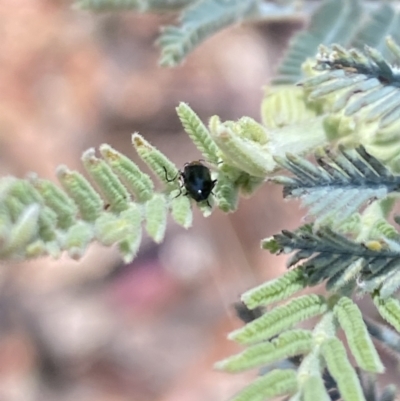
x: 196, y: 178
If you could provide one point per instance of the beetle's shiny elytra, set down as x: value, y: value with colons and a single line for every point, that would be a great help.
x: 197, y: 181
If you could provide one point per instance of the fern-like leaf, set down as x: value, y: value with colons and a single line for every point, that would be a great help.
x: 382, y: 22
x: 288, y: 344
x: 281, y: 318
x: 269, y: 386
x: 333, y: 22
x: 275, y: 290
x: 364, y: 83
x: 198, y: 132
x: 360, y: 344
x: 200, y: 21
x: 389, y: 309
x: 341, y: 370
x: 329, y: 256
x: 339, y: 185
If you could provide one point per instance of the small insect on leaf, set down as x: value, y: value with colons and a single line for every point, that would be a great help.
x: 197, y: 181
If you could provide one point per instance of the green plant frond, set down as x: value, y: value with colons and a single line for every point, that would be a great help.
x: 362, y: 84
x: 112, y: 190
x: 38, y: 218
x: 88, y: 201
x: 279, y: 319
x: 138, y: 5
x: 389, y: 309
x: 314, y: 389
x: 181, y: 211
x: 198, y: 132
x: 156, y: 217
x: 226, y: 190
x: 360, y: 344
x: 161, y: 166
x: 288, y: 344
x: 373, y: 224
x: 137, y: 182
x: 333, y: 257
x: 200, y: 21
x: 341, y: 370
x: 267, y: 387
x: 275, y: 290
x: 333, y: 22
x: 243, y: 153
x: 76, y: 240
x: 382, y: 22
x: 339, y: 185
x: 286, y: 105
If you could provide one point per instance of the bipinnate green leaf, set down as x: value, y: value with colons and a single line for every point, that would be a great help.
x: 314, y: 389
x: 198, y: 133
x: 341, y: 370
x: 226, y: 191
x: 156, y: 217
x: 339, y: 185
x: 136, y: 181
x: 267, y: 387
x: 244, y: 154
x: 111, y: 188
x: 129, y: 244
x: 389, y: 309
x: 163, y: 168
x: 181, y: 211
x: 77, y: 239
x: 38, y: 218
x: 363, y: 85
x: 279, y: 319
x: 381, y: 22
x: 57, y: 200
x: 200, y: 21
x: 275, y: 290
x: 22, y: 232
x: 288, y: 344
x: 89, y: 202
x: 333, y: 22
x: 358, y: 338
x: 327, y: 255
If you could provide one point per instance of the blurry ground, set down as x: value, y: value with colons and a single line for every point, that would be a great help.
x: 96, y: 329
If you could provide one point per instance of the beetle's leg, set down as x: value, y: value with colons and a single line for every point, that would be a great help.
x: 166, y: 176
x: 212, y: 187
x: 180, y: 192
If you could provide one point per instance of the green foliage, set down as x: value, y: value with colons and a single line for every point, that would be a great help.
x: 360, y: 343
x: 345, y: 116
x: 269, y: 386
x: 280, y: 318
x: 335, y: 21
x: 334, y: 354
x: 200, y: 21
x: 287, y: 344
x: 275, y: 290
x: 339, y: 185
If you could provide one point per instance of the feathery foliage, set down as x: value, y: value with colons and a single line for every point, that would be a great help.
x: 335, y: 21
x: 350, y: 97
x: 339, y: 185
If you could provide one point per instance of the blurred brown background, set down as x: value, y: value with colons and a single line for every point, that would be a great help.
x: 97, y: 329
